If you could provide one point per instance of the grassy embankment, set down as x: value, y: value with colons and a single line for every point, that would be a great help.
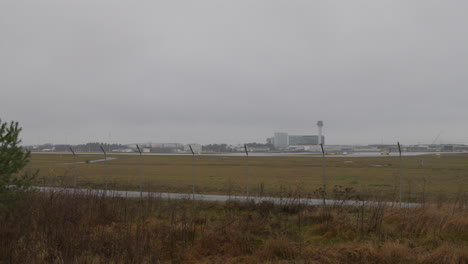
x: 440, y: 178
x: 55, y: 228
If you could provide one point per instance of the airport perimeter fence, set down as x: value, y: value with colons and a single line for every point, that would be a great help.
x: 411, y: 179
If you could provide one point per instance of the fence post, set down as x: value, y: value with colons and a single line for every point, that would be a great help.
x: 141, y: 171
x: 324, y: 177
x: 193, y: 171
x: 74, y: 167
x: 401, y: 174
x: 106, y: 176
x: 247, y: 169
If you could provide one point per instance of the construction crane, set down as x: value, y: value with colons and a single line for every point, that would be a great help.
x: 435, y: 140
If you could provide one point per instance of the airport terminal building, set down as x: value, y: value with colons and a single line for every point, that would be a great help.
x: 282, y: 140
x: 301, y: 140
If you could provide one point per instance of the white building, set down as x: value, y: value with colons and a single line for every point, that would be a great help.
x: 281, y: 140
x: 146, y: 150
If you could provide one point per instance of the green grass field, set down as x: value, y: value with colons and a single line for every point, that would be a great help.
x: 441, y: 177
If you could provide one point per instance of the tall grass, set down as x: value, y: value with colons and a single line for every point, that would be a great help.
x: 63, y: 228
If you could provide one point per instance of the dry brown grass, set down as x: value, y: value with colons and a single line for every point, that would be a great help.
x: 58, y: 228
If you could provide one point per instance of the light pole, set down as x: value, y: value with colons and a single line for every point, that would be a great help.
x: 141, y: 170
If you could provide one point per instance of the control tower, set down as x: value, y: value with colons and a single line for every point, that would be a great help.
x: 320, y: 137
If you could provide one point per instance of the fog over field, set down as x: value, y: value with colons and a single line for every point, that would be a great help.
x: 234, y: 71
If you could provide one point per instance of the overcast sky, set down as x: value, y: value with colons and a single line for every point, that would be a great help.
x: 234, y: 71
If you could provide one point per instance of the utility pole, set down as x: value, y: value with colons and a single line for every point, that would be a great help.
x: 141, y: 170
x: 247, y: 169
x: 106, y: 175
x: 74, y: 167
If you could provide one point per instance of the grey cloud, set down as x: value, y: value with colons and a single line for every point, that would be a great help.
x: 235, y: 71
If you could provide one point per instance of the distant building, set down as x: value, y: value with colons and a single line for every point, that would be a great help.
x: 125, y: 150
x: 166, y: 147
x: 447, y: 148
x: 412, y: 148
x: 258, y: 149
x: 305, y: 140
x: 270, y: 140
x: 281, y: 140
x: 146, y: 150
x: 461, y: 148
x: 301, y: 140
